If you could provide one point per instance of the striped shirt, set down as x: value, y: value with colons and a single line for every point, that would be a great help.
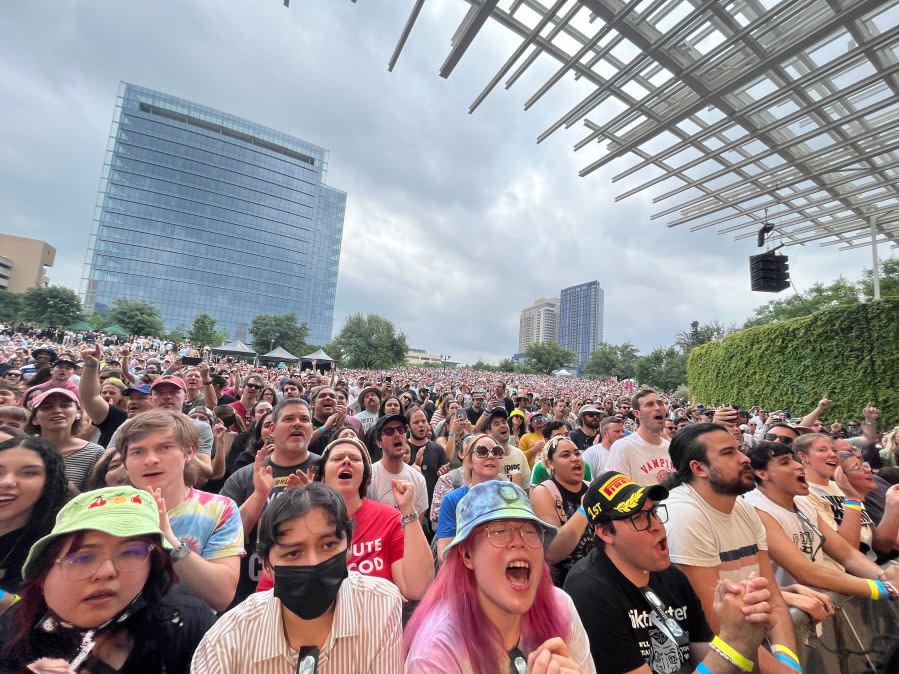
x: 80, y: 464
x: 365, y: 638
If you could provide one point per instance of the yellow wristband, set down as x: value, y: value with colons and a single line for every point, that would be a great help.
x: 731, y: 654
x: 780, y: 648
x: 875, y: 589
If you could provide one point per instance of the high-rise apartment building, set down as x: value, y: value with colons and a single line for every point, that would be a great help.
x: 539, y: 323
x: 580, y: 319
x: 24, y: 262
x: 202, y: 211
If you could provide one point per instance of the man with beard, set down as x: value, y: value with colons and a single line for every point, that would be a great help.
x: 249, y: 394
x: 515, y: 463
x: 370, y: 402
x: 643, y: 455
x: 715, y: 536
x: 199, y: 388
x: 390, y: 436
x: 640, y: 613
x: 327, y: 418
x: 611, y: 429
x: 43, y: 357
x: 499, y: 391
x: 426, y: 454
x: 476, y: 409
x: 255, y: 486
x: 585, y: 435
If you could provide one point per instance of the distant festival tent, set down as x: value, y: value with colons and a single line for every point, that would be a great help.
x: 235, y: 348
x: 116, y: 330
x: 323, y: 360
x: 80, y: 325
x: 280, y: 355
x: 562, y: 373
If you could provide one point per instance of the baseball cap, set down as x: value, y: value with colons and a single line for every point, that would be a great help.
x: 498, y: 412
x: 118, y: 511
x: 169, y: 379
x: 589, y: 409
x: 39, y: 399
x: 143, y: 388
x: 495, y: 500
x: 387, y: 418
x: 534, y: 415
x: 613, y: 496
x: 66, y: 358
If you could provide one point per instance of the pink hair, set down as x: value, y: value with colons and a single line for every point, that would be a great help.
x: 455, y: 589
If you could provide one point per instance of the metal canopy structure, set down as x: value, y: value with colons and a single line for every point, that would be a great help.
x: 733, y: 114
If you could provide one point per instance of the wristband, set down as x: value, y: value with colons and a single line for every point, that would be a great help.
x: 788, y: 661
x: 852, y: 504
x: 878, y: 589
x: 780, y: 648
x: 322, y: 429
x: 701, y: 668
x: 582, y: 512
x: 90, y: 366
x: 729, y: 653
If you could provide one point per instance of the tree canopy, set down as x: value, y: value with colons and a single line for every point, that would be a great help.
x: 137, y: 317
x: 271, y: 330
x: 612, y: 360
x: 204, y: 333
x: 544, y: 357
x: 52, y: 307
x: 663, y: 367
x: 369, y: 341
x: 10, y: 306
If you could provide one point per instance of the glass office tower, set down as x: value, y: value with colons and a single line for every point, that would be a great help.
x: 202, y: 211
x: 580, y: 319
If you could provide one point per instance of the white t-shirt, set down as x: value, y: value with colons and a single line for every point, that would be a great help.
x: 828, y: 501
x: 644, y: 463
x: 597, y: 457
x: 700, y: 535
x: 380, y: 487
x: 368, y: 419
x: 516, y: 460
x: 808, y: 538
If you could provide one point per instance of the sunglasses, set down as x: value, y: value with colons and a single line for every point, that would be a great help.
x: 782, y: 439
x: 390, y: 431
x: 13, y: 374
x: 483, y: 452
x: 255, y: 386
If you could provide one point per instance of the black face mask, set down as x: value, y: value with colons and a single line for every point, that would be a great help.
x: 309, y: 591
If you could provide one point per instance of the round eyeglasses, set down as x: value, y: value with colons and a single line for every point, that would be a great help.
x: 641, y: 521
x: 83, y: 564
x: 501, y: 536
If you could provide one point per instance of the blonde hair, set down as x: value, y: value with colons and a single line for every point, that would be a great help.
x: 144, y: 423
x: 468, y: 445
x: 892, y: 444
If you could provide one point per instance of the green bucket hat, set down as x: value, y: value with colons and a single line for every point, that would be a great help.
x: 118, y: 511
x: 495, y: 500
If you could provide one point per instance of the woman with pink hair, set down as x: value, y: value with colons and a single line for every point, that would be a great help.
x: 493, y: 607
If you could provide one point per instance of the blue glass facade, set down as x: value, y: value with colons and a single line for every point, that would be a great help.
x: 580, y: 319
x: 201, y: 211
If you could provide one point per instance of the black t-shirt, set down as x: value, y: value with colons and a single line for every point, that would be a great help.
x: 165, y: 636
x: 14, y: 547
x: 114, y: 418
x: 240, y: 487
x: 435, y: 457
x: 623, y: 629
x: 581, y: 439
x: 473, y: 416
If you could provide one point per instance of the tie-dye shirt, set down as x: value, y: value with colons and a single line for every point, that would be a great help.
x: 209, y: 523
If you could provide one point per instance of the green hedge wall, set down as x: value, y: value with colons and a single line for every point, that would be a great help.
x: 850, y: 353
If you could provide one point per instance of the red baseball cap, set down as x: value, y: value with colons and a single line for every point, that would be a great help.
x: 169, y: 379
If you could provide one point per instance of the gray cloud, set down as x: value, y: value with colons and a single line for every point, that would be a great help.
x: 454, y: 221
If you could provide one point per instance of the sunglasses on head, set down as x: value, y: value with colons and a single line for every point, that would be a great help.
x: 483, y: 452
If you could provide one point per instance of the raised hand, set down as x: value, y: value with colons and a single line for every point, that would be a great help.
x: 404, y: 495
x: 300, y: 479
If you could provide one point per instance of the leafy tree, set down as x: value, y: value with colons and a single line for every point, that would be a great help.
x: 544, y: 357
x: 52, y: 307
x: 698, y: 334
x: 819, y: 296
x: 370, y: 341
x: 507, y: 365
x: 889, y: 281
x: 484, y: 367
x: 664, y: 368
x: 137, y: 317
x: 10, y: 306
x: 175, y: 336
x: 604, y: 362
x: 271, y: 330
x: 203, y: 332
x: 628, y: 353
x: 98, y: 320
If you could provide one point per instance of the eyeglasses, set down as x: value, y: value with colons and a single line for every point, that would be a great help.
x: 390, y: 431
x: 13, y: 374
x: 782, y: 439
x: 861, y: 468
x: 256, y: 386
x: 83, y: 564
x: 501, y: 536
x: 641, y: 521
x: 483, y: 452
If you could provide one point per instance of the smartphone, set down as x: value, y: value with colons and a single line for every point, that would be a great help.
x: 191, y: 360
x: 460, y: 414
x: 388, y: 379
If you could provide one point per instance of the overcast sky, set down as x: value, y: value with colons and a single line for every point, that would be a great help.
x: 454, y: 222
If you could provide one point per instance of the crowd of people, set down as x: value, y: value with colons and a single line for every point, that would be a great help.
x: 160, y: 512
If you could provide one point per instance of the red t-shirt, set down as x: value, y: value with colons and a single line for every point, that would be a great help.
x: 378, y: 542
x: 240, y: 411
